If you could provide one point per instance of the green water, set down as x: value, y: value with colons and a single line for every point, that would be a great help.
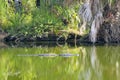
x: 93, y: 63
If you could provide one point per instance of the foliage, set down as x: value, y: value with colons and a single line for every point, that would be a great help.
x: 30, y: 20
x: 3, y: 9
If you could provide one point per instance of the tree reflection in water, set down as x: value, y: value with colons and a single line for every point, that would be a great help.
x: 94, y: 63
x: 100, y: 63
x: 92, y: 69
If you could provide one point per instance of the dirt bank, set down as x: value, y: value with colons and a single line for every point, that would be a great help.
x: 2, y: 34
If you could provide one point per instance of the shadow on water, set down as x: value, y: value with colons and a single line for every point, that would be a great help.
x: 43, y: 44
x: 34, y: 44
x: 93, y: 62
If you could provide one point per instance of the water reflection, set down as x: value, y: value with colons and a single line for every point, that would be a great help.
x: 93, y: 63
x: 92, y: 69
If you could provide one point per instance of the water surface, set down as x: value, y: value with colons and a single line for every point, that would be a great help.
x: 92, y: 63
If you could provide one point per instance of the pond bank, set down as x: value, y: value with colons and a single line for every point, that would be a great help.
x: 51, y: 40
x: 108, y: 33
x: 2, y: 35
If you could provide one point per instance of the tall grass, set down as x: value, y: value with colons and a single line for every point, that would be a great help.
x: 3, y: 15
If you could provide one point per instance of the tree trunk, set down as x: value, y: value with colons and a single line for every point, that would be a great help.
x: 91, y: 12
x: 37, y: 3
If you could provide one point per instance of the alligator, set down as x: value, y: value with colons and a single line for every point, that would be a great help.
x: 50, y: 55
